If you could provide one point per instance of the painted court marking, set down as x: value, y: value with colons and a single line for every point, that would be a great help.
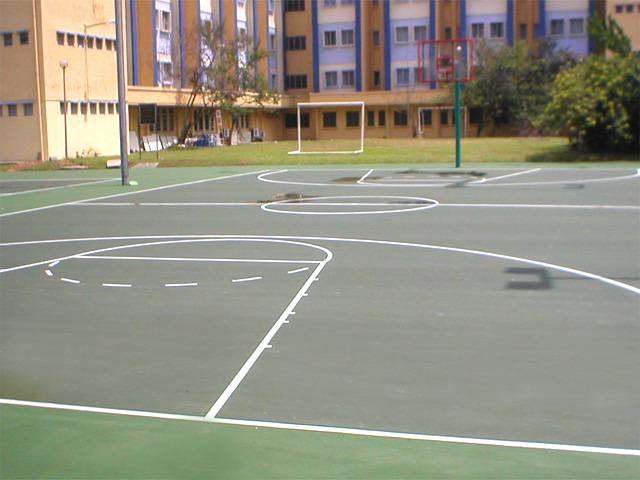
x: 298, y: 270
x: 192, y: 284
x: 69, y: 280
x: 328, y: 429
x: 263, y: 177
x: 44, y: 189
x: 266, y: 342
x: 154, y: 189
x: 247, y: 279
x: 499, y: 177
x: 406, y: 204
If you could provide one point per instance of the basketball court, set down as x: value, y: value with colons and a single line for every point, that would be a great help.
x: 480, y: 306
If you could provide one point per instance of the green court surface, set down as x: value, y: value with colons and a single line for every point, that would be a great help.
x: 334, y: 322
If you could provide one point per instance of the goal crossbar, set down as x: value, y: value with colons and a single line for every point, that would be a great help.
x: 302, y: 105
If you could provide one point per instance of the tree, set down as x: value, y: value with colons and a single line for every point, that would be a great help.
x: 513, y: 84
x: 227, y: 75
x: 597, y: 103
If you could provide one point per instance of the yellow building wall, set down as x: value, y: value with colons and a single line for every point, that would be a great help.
x: 629, y: 21
x: 300, y: 62
x: 19, y: 84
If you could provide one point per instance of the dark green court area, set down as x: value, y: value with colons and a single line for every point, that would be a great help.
x: 356, y: 322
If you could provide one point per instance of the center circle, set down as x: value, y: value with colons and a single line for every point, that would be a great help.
x: 349, y: 205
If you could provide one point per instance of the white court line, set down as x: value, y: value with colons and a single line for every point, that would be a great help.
x: 190, y: 259
x: 263, y: 177
x: 177, y: 239
x: 154, y: 189
x: 411, y: 206
x: 242, y: 373
x: 298, y: 270
x: 57, y: 188
x: 163, y: 204
x: 9, y: 180
x: 49, y: 273
x: 521, y: 205
x: 247, y: 279
x: 193, y: 284
x: 326, y: 429
x: 117, y: 285
x: 490, y: 179
x: 69, y: 280
x: 361, y: 180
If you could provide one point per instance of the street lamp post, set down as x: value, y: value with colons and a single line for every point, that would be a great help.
x: 63, y: 65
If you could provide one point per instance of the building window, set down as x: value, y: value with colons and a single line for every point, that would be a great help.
x: 402, y: 34
x: 272, y: 41
x: 295, y: 81
x: 270, y: 5
x: 166, y: 119
x: 93, y: 108
x: 330, y: 3
x: 330, y: 38
x: 81, y: 41
x: 12, y: 110
x: 477, y: 30
x: 402, y: 76
x: 426, y: 117
x: 348, y: 78
x: 447, y: 33
x: 382, y: 118
x: 353, y: 119
x: 420, y: 74
x: 629, y: 8
x: 71, y: 39
x: 164, y: 21
x: 400, y: 118
x: 274, y: 81
x: 110, y: 108
x: 90, y: 41
x: 346, y: 38
x: 60, y: 38
x: 108, y: 43
x: 291, y: 120
x: 99, y: 43
x: 576, y: 26
x: 24, y: 37
x: 347, y: 2
x: 83, y: 108
x: 371, y: 118
x: 475, y: 115
x: 523, y: 31
x: 1, y: 111
x: 330, y: 79
x: 296, y: 43
x: 376, y: 38
x: 329, y: 119
x: 102, y: 108
x: 7, y: 39
x: 557, y: 27
x: 420, y: 32
x: 444, y: 117
x: 497, y: 29
x: 376, y: 78
x: 293, y: 5
x: 619, y: 8
x: 166, y: 73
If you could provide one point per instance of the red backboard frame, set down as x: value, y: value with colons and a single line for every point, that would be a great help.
x: 446, y: 61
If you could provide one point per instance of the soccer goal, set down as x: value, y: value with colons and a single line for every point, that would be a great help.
x: 329, y: 105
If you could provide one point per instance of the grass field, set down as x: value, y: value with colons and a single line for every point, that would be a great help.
x: 387, y: 151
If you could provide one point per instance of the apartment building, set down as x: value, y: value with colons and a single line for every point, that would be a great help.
x: 59, y: 63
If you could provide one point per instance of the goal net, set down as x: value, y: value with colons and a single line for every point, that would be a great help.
x: 339, y: 128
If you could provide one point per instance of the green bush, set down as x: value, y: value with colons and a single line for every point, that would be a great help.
x: 597, y: 104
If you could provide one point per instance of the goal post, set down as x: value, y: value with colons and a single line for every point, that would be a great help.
x: 304, y: 105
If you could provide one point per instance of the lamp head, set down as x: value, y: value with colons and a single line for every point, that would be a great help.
x: 64, y: 64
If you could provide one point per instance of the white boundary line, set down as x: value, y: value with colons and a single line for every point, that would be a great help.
x: 117, y: 285
x: 326, y: 429
x: 67, y: 179
x: 268, y: 207
x: 56, y: 188
x: 163, y: 187
x: 490, y: 179
x: 533, y: 205
x: 192, y: 284
x: 263, y: 177
x: 163, y: 204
